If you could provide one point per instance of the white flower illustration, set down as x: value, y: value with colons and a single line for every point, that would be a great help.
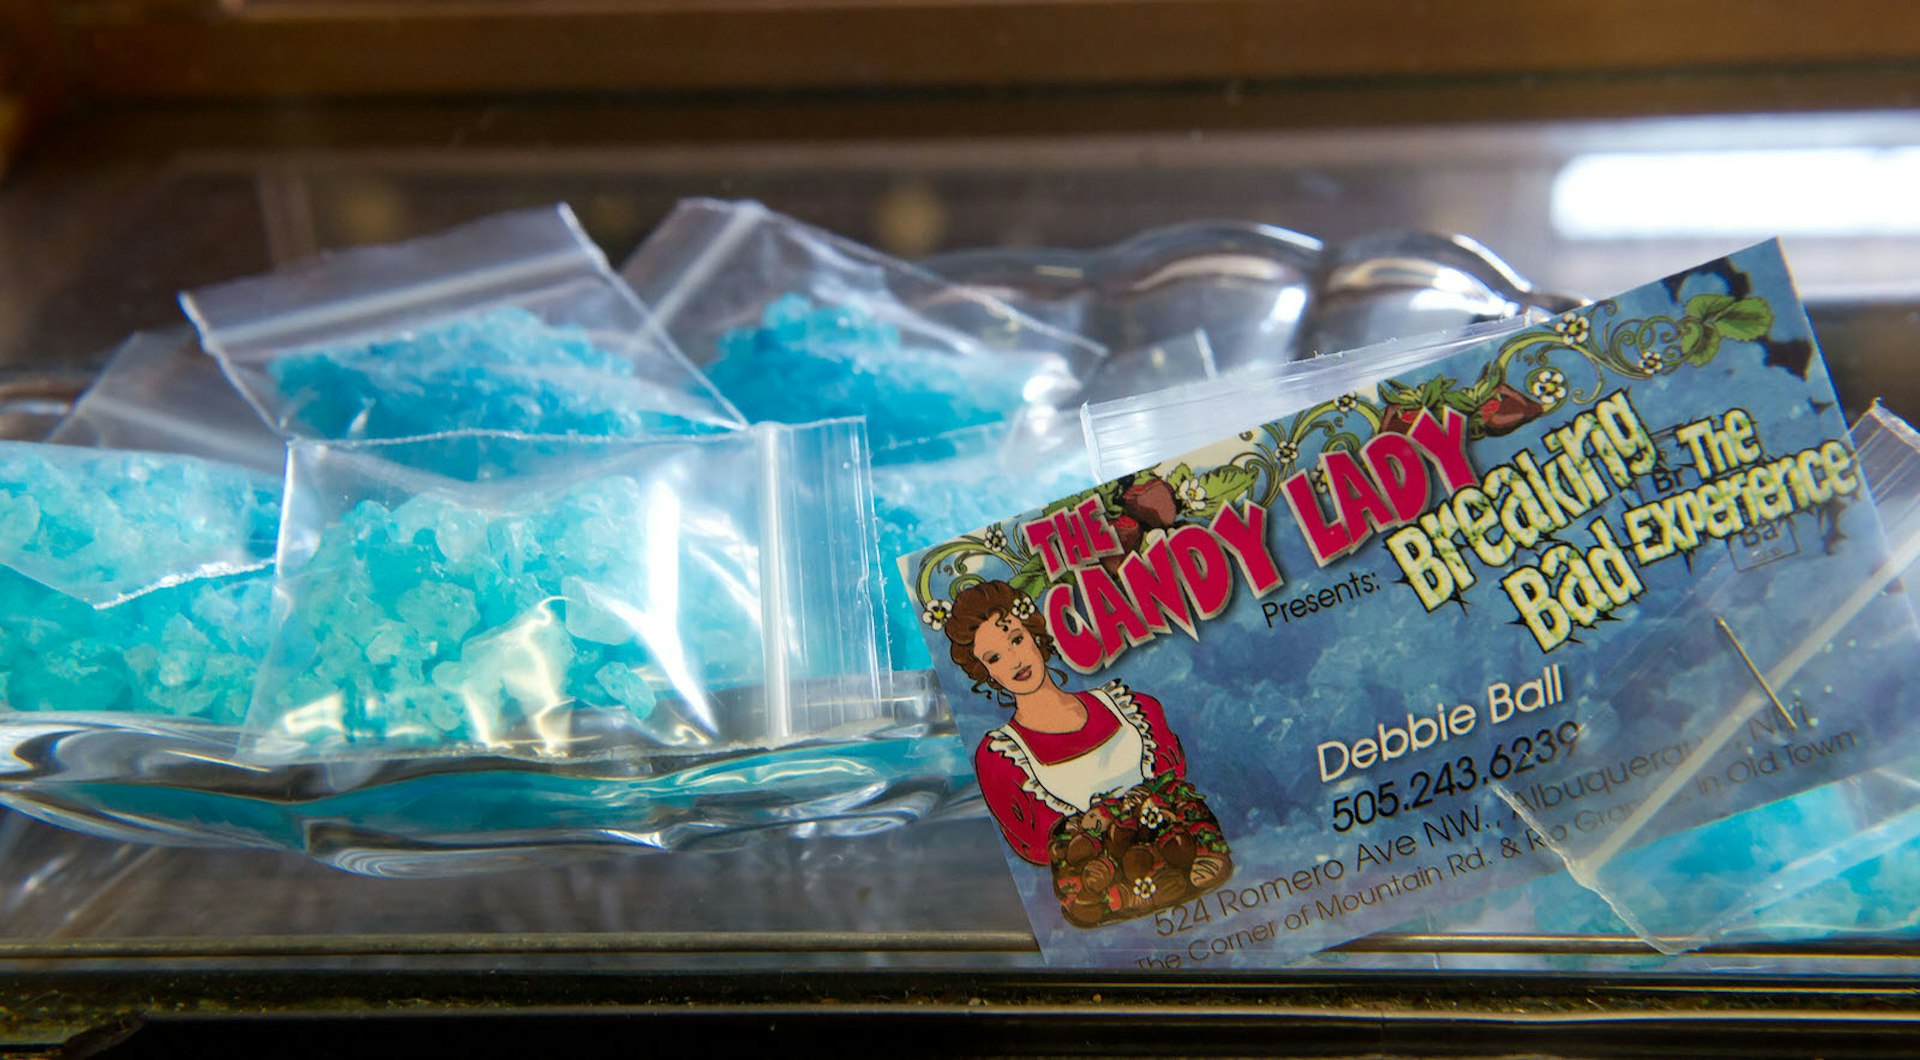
x: 937, y: 613
x: 1193, y: 496
x: 1651, y: 362
x: 1152, y: 816
x: 1549, y: 386
x: 1022, y: 607
x: 1573, y: 330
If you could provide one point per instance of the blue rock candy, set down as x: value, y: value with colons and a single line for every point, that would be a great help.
x: 88, y: 674
x: 627, y: 685
x: 596, y: 615
x: 439, y: 623
x: 105, y: 525
x: 807, y: 362
x: 183, y: 647
x: 189, y: 651
x: 19, y: 518
x: 508, y: 676
x: 440, y: 612
x: 117, y: 583
x: 502, y: 370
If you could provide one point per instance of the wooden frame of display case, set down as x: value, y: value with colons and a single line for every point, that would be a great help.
x: 259, y: 48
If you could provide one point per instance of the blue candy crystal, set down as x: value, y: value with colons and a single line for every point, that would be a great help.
x: 118, y: 589
x: 806, y: 362
x: 627, y: 685
x: 438, y: 611
x: 503, y: 370
x: 189, y: 651
x: 591, y: 616
x: 436, y: 623
x: 105, y: 525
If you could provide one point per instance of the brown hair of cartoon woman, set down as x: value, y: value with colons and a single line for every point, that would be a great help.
x: 972, y: 608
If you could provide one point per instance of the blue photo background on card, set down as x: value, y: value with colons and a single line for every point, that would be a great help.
x: 1361, y: 620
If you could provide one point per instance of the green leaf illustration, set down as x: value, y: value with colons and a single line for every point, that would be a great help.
x: 1742, y: 320
x: 1031, y: 578
x: 1704, y: 348
x: 1106, y: 491
x: 1066, y: 502
x: 1179, y: 474
x: 1224, y: 484
x: 1396, y: 393
x: 1346, y: 440
x: 1705, y: 305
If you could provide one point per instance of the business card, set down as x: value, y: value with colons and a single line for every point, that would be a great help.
x: 1316, y: 678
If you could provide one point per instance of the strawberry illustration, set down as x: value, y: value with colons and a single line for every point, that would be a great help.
x: 1086, y: 910
x: 1151, y: 501
x: 1127, y: 529
x: 1506, y: 410
x: 1178, y: 849
x: 1398, y: 419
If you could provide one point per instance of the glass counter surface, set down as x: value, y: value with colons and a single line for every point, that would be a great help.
x: 113, y: 211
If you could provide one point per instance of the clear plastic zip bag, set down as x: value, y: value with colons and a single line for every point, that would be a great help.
x: 514, y: 322
x: 131, y: 582
x: 792, y: 323
x: 929, y: 491
x: 1144, y: 429
x: 107, y: 525
x: 160, y: 392
x: 1175, y: 360
x: 1757, y: 744
x: 551, y: 597
x: 136, y: 571
x: 1887, y: 449
x: 936, y: 488
x: 186, y: 653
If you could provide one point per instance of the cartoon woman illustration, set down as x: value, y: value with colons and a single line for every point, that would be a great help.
x: 1089, y: 782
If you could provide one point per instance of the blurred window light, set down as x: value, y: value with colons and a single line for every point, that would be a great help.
x: 1808, y: 192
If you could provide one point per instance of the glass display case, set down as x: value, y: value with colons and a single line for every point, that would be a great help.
x: 150, y: 148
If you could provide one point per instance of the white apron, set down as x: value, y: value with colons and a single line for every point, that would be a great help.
x: 1118, y: 763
